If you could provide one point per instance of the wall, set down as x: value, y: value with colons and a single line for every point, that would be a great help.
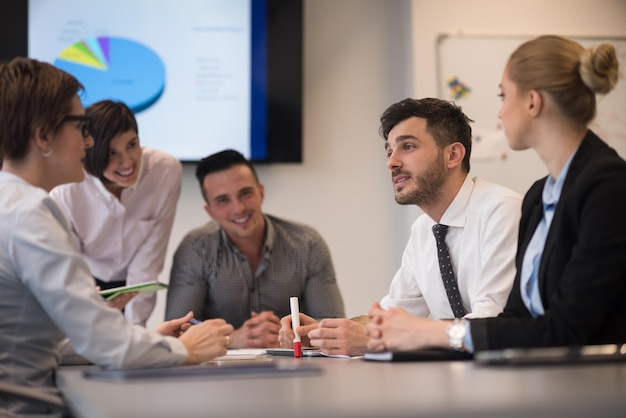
x: 580, y: 18
x: 361, y: 56
x: 357, y: 61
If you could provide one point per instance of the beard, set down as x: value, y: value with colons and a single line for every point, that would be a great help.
x: 427, y: 185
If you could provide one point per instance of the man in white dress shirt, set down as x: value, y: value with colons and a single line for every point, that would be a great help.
x: 428, y: 146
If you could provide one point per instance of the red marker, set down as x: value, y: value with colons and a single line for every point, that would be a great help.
x: 295, y: 323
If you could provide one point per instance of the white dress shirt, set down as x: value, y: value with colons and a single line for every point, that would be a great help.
x: 126, y: 239
x: 47, y: 292
x: 483, y: 221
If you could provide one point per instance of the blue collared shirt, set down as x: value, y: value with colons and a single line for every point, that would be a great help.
x: 532, y: 258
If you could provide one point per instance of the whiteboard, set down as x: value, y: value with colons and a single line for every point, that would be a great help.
x: 469, y: 70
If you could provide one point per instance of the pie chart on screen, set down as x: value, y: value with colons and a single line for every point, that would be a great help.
x: 115, y: 68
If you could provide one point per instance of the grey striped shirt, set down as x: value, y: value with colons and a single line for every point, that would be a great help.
x: 214, y: 280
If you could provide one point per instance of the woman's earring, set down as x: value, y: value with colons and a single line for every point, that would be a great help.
x: 47, y: 153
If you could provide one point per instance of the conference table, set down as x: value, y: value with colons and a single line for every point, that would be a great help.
x: 347, y: 388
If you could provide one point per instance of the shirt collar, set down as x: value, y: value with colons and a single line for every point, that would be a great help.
x: 456, y: 213
x: 141, y: 171
x: 270, y: 234
x: 552, y: 188
x: 97, y: 183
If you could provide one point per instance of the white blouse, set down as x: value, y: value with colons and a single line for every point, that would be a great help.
x: 126, y: 239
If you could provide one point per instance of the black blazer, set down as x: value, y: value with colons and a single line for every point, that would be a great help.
x: 582, y: 276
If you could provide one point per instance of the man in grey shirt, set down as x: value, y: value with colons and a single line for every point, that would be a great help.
x: 244, y: 265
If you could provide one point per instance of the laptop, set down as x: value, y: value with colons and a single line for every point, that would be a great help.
x: 433, y: 354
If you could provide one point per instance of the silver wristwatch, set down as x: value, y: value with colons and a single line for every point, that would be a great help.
x: 456, y: 333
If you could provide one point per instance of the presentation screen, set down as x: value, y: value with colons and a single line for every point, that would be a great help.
x: 200, y: 75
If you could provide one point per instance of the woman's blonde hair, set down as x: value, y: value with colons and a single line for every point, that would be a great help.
x: 571, y: 74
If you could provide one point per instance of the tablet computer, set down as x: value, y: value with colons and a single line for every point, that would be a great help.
x: 147, y: 287
x: 433, y: 354
x: 553, y: 355
x: 208, y: 370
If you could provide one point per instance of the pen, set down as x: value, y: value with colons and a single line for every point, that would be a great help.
x: 295, y: 323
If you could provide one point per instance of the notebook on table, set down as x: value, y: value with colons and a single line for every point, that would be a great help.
x: 288, y: 352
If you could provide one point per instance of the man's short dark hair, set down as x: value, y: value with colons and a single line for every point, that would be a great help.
x: 445, y: 121
x: 221, y: 161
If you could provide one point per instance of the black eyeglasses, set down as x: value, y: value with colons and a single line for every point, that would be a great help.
x: 84, y: 126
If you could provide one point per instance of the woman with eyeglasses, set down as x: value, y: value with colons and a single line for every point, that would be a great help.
x: 121, y: 215
x: 46, y: 288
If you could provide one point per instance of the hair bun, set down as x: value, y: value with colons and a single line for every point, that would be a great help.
x: 599, y: 68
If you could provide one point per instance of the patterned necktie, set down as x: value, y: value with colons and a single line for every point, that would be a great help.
x: 445, y: 266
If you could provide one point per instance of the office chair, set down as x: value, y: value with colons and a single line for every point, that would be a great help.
x: 33, y: 397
